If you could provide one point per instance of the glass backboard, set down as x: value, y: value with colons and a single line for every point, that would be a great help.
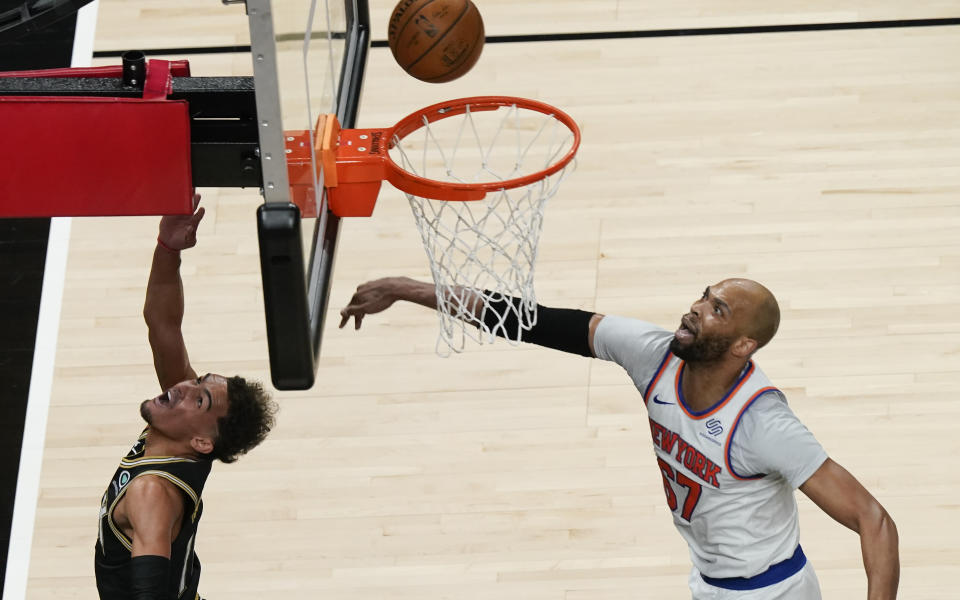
x: 308, y: 59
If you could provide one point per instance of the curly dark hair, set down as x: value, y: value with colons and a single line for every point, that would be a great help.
x: 249, y: 419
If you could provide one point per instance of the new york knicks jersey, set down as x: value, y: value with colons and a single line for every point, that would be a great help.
x: 736, y: 524
x: 112, y: 554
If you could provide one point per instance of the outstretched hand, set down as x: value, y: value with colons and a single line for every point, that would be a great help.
x: 371, y: 297
x: 179, y: 232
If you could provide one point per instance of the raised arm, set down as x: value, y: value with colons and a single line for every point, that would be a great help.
x: 563, y: 329
x: 163, y: 306
x: 842, y: 497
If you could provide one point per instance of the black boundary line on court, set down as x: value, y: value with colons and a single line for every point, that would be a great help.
x: 600, y: 35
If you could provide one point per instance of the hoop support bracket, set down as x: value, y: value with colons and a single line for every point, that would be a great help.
x: 353, y: 163
x: 350, y: 161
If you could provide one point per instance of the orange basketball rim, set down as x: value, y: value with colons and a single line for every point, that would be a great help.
x: 354, y: 162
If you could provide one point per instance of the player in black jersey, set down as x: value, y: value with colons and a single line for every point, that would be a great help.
x: 151, y: 508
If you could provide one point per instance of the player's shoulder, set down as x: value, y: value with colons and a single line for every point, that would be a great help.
x: 150, y: 504
x: 151, y: 496
x: 625, y: 340
x: 770, y: 438
x: 631, y: 323
x: 152, y: 487
x: 630, y: 328
x: 767, y: 416
x: 764, y: 400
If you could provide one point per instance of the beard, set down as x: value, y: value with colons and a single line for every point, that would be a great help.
x: 702, y: 350
x: 145, y: 412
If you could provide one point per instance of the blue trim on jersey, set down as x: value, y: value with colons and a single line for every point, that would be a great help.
x: 733, y: 432
x: 746, y: 373
x: 775, y: 574
x: 656, y: 376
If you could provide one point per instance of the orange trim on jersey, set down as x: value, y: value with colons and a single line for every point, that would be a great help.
x: 656, y: 377
x: 733, y: 430
x: 723, y: 401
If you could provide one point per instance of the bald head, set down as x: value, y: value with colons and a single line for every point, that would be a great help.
x: 761, y: 318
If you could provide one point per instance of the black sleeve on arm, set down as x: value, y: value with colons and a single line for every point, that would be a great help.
x: 148, y: 577
x: 564, y: 329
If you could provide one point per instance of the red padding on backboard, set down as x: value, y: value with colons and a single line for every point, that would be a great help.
x: 94, y: 157
x: 178, y: 68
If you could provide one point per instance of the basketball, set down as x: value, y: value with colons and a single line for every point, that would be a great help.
x: 436, y: 40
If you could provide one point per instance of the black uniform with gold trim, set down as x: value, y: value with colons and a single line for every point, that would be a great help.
x: 112, y: 559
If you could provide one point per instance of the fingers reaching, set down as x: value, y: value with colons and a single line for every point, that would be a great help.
x: 179, y: 232
x: 370, y: 298
x: 351, y: 311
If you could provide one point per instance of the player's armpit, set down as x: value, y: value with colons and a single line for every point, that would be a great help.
x: 841, y: 496
x: 154, y: 508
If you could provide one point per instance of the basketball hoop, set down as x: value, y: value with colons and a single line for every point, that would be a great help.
x: 477, y: 173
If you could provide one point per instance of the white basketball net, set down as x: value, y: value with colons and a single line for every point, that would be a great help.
x: 490, y: 244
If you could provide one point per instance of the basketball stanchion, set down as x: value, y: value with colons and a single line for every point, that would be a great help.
x: 477, y: 173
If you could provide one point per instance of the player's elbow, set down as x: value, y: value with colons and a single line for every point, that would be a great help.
x: 887, y: 526
x: 875, y: 522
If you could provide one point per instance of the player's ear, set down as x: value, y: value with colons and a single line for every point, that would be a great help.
x: 201, y: 444
x: 743, y: 347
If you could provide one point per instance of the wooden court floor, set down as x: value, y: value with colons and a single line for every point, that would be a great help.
x: 823, y: 164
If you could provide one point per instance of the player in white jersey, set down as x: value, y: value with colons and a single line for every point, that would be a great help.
x: 730, y: 450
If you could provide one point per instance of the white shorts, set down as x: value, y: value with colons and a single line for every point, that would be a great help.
x: 802, y: 585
